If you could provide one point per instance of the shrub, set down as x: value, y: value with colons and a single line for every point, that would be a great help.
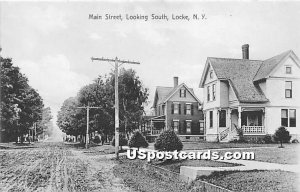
x: 137, y: 140
x: 122, y: 141
x: 97, y: 139
x: 268, y: 139
x: 295, y: 141
x: 168, y: 141
x: 282, y: 135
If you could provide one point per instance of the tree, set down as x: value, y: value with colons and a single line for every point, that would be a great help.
x: 282, y: 135
x: 168, y: 141
x: 70, y: 118
x: 21, y: 105
x: 137, y: 140
x: 132, y: 98
x: 45, y: 125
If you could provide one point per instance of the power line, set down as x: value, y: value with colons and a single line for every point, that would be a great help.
x: 87, y: 122
x: 118, y: 63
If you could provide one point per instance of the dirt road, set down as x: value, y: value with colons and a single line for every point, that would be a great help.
x: 57, y: 167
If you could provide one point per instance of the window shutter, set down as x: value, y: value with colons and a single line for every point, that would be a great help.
x: 184, y: 93
x: 172, y: 124
x: 192, y: 109
x: 172, y: 108
x: 184, y: 109
x: 184, y: 130
x: 179, y: 108
x: 179, y: 127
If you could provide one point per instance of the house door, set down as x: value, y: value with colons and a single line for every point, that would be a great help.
x: 234, y: 118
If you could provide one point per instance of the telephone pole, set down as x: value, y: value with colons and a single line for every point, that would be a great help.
x: 118, y: 63
x: 87, y: 123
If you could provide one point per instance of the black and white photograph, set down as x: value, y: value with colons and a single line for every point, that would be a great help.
x: 146, y: 96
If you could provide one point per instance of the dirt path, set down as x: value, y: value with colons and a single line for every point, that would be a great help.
x: 57, y: 167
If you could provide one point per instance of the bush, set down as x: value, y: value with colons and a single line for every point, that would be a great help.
x: 168, y: 141
x: 282, y: 135
x: 137, y: 140
x: 122, y: 141
x: 295, y: 141
x: 268, y: 139
x: 97, y: 139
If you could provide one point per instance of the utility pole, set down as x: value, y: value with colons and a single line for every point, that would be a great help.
x: 118, y: 63
x: 87, y: 123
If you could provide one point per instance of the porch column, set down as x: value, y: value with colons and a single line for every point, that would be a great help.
x: 240, y: 117
x: 218, y: 131
x: 229, y: 119
x: 151, y: 127
x: 204, y: 116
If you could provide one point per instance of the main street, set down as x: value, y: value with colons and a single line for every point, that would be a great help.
x: 56, y: 166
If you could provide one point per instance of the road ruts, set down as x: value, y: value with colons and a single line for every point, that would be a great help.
x: 57, y: 167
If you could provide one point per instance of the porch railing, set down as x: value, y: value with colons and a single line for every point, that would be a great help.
x: 155, y: 132
x: 253, y: 130
x: 224, y: 134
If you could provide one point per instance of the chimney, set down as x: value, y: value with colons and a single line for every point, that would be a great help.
x: 175, y: 81
x: 245, y: 49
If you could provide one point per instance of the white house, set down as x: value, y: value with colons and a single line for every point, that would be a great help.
x: 256, y: 95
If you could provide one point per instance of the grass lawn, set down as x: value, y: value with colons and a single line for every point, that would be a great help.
x: 286, y: 155
x: 174, y: 165
x: 262, y: 181
x: 133, y: 174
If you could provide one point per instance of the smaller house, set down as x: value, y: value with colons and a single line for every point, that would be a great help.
x: 179, y: 109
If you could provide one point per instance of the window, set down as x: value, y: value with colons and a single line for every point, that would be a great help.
x: 288, y: 117
x: 188, y: 127
x: 182, y: 93
x: 176, y: 126
x: 211, y: 74
x: 201, y: 127
x: 176, y: 108
x: 288, y: 89
x: 208, y: 93
x: 188, y: 109
x: 222, y: 118
x: 284, y: 117
x: 211, y: 119
x: 288, y: 69
x: 292, y: 117
x: 214, y: 92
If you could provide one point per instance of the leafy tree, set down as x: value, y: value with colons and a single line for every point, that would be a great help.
x: 21, y: 105
x: 282, y: 135
x: 45, y: 125
x: 132, y: 98
x: 137, y: 140
x: 69, y: 118
x: 168, y: 141
x: 100, y: 93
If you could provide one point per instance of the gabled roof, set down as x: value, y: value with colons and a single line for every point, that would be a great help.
x: 240, y: 73
x: 268, y: 65
x: 177, y: 89
x: 163, y: 94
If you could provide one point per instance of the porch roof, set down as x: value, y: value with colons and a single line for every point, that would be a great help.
x: 158, y: 118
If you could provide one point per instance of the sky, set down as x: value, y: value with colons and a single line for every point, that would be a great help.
x: 53, y: 42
